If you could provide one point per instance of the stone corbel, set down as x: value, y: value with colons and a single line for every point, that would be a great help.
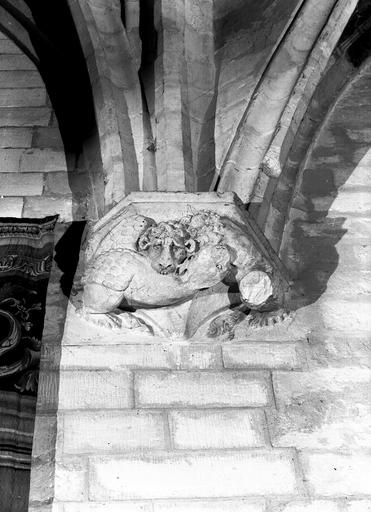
x: 178, y: 265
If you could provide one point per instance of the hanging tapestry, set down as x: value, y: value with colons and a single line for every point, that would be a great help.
x: 26, y: 252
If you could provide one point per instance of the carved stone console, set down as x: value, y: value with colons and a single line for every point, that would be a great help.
x: 177, y: 265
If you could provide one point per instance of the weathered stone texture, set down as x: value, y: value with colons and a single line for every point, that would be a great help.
x: 313, y: 506
x: 140, y: 356
x: 11, y: 206
x: 22, y: 97
x: 169, y: 476
x: 288, y: 356
x: 201, y: 389
x: 24, y: 116
x: 123, y: 506
x: 243, y: 52
x: 70, y: 481
x: 8, y: 47
x: 15, y: 137
x: 334, y: 474
x: 95, y: 390
x: 217, y: 429
x: 235, y: 505
x: 16, y: 184
x: 16, y: 62
x: 113, y: 432
x: 324, y: 408
x: 18, y: 79
x: 43, y: 160
x: 45, y: 205
x: 9, y: 160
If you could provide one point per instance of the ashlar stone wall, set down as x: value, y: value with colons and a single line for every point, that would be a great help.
x: 33, y: 169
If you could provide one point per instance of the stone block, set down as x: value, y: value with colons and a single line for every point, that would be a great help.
x: 95, y: 390
x: 24, y: 116
x: 313, y: 506
x: 199, y: 475
x: 347, y: 316
x: 16, y: 79
x: 200, y: 357
x: 347, y: 201
x: 45, y: 205
x: 345, y: 350
x: 324, y: 408
x: 55, y: 316
x: 16, y: 62
x: 334, y: 474
x: 55, y: 507
x: 56, y: 183
x: 113, y: 431
x: 16, y: 184
x: 48, y: 137
x: 42, y: 482
x: 111, y: 506
x: 45, y: 434
x: 22, y: 97
x: 15, y: 137
x: 47, y: 397
x: 359, y: 134
x: 8, y: 47
x: 43, y: 160
x: 221, y: 505
x: 151, y: 356
x: 9, y: 160
x: 121, y: 356
x: 201, y: 389
x: 263, y: 355
x: 11, y: 206
x: 71, y: 480
x: 342, y: 284
x: 226, y: 428
x: 359, y: 506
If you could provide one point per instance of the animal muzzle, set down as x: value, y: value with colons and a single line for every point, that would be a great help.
x: 166, y: 268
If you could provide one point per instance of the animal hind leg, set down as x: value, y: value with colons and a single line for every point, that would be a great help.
x: 226, y: 322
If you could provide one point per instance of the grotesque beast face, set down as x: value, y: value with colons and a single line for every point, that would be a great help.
x: 165, y: 249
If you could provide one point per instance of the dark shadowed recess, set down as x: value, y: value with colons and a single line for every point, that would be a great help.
x: 357, y: 34
x: 63, y: 69
x: 61, y: 63
x: 60, y: 60
x: 309, y: 248
x: 67, y: 254
x: 26, y: 249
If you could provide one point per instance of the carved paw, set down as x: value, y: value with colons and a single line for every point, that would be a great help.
x: 114, y: 321
x: 106, y: 320
x: 257, y: 319
x: 225, y: 324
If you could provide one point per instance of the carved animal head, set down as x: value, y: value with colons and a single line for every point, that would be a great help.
x: 210, y: 265
x: 167, y: 246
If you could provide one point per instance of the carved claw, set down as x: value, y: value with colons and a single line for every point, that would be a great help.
x: 225, y: 324
x: 126, y: 320
x: 115, y: 321
x: 258, y: 319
